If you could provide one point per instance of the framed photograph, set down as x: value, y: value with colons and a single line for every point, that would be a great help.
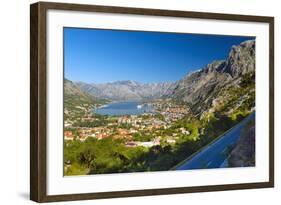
x: 135, y: 102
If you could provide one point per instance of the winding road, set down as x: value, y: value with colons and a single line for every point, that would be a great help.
x: 214, y: 155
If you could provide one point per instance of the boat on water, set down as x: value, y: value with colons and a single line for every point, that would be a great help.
x: 139, y: 106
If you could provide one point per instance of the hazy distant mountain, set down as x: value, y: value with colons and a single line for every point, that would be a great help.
x: 127, y: 90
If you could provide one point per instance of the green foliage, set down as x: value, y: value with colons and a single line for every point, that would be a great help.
x: 159, y: 116
x: 142, y: 137
x: 75, y: 169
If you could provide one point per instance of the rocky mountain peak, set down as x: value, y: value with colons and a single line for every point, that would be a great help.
x: 214, y: 66
x: 241, y: 59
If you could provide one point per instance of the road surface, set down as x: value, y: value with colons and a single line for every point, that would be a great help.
x: 215, y: 154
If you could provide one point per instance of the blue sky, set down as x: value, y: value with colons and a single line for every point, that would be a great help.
x: 100, y: 56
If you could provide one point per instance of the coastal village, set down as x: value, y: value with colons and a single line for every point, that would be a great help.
x: 127, y: 127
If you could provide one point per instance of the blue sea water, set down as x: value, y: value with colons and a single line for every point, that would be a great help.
x: 124, y: 108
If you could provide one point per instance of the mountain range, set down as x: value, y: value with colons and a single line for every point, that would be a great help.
x: 201, y: 90
x: 127, y: 90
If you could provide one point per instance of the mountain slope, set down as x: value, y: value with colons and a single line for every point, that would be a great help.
x: 217, y: 83
x: 75, y: 100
